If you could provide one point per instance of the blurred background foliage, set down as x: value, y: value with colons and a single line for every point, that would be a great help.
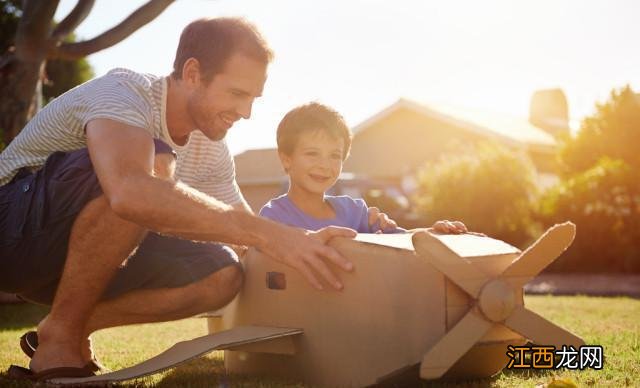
x: 492, y: 189
x: 487, y: 186
x: 600, y: 189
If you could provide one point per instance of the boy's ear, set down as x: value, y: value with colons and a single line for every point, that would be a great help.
x: 285, y: 160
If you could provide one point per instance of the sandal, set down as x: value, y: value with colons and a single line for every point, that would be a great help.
x: 29, y: 344
x: 20, y: 373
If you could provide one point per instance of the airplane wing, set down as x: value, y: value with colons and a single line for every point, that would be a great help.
x: 185, y: 351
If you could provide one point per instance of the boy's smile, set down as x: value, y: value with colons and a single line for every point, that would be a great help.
x: 319, y: 178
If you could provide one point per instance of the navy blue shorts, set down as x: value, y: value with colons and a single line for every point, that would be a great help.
x: 37, y: 212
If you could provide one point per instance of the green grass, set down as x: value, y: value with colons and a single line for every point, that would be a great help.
x: 613, y: 323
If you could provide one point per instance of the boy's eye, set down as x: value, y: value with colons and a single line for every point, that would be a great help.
x: 336, y: 156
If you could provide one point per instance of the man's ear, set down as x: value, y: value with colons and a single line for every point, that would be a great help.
x: 191, y: 72
x: 285, y: 160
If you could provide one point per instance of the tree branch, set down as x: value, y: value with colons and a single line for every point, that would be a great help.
x: 131, y: 24
x: 73, y: 19
x: 33, y: 29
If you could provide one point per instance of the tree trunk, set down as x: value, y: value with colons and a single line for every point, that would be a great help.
x: 18, y: 97
x: 22, y: 67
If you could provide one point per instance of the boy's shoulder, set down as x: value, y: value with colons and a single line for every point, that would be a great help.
x: 273, y: 204
x: 279, y: 200
x: 346, y: 201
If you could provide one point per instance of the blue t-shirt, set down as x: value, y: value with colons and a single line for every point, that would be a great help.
x: 350, y: 213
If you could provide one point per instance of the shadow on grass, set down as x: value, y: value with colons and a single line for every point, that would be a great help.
x: 9, y: 383
x: 206, y: 372
x: 410, y: 377
x: 528, y: 373
x: 21, y: 315
x: 201, y: 372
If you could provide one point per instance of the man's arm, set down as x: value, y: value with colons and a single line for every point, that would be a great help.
x: 243, y: 205
x: 123, y: 158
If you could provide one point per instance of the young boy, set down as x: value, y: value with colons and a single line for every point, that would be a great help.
x: 313, y: 142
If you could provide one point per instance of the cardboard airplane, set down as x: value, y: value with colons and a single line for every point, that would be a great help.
x: 448, y: 303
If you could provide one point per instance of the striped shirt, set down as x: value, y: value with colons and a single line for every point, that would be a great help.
x: 131, y: 98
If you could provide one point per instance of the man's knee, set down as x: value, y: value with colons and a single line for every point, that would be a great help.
x: 231, y: 280
x: 222, y: 286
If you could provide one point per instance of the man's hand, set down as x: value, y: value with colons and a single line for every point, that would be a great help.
x: 449, y: 227
x: 309, y: 253
x: 381, y: 219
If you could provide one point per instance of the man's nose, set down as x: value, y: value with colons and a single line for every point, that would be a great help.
x: 244, y: 109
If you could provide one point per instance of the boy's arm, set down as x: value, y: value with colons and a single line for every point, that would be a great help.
x: 123, y: 158
x: 449, y: 227
x: 381, y: 220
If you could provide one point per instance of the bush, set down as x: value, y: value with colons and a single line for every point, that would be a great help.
x: 604, y: 203
x: 600, y: 190
x: 489, y: 188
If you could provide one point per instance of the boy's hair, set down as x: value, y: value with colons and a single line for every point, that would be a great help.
x: 312, y: 117
x: 213, y: 41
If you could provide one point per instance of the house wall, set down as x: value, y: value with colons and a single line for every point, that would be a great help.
x: 259, y: 164
x: 404, y: 140
x: 401, y: 142
x: 259, y: 194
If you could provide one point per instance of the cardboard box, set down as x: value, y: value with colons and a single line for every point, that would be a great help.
x: 437, y: 306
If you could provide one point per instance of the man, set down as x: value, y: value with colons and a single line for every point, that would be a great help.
x: 93, y: 175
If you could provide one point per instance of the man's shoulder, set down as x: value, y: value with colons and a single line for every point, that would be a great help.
x: 141, y: 82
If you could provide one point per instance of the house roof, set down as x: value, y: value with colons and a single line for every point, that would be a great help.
x: 517, y: 131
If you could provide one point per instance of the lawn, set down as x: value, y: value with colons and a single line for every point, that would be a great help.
x: 613, y: 323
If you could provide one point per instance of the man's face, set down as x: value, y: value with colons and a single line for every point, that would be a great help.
x: 228, y: 97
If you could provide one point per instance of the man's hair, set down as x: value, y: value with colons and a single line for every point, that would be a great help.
x: 312, y: 117
x: 213, y: 41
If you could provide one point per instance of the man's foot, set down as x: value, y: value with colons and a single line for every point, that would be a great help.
x: 29, y: 344
x: 57, y: 347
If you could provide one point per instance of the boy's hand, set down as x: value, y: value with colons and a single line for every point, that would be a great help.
x: 308, y: 252
x: 449, y: 227
x: 381, y: 219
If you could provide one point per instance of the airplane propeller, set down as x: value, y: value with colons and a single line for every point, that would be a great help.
x: 495, y: 301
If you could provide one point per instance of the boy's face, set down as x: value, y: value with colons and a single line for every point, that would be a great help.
x: 216, y: 106
x: 315, y: 163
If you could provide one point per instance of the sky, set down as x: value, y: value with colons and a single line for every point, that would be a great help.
x: 359, y: 56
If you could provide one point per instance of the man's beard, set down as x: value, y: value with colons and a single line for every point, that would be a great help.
x: 201, y: 119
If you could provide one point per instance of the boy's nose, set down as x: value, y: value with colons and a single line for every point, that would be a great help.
x: 325, y: 164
